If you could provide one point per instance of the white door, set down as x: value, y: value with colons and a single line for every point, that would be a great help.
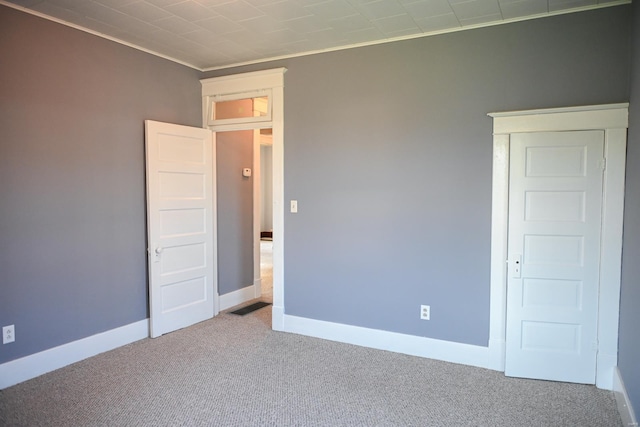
x: 555, y: 203
x: 180, y: 216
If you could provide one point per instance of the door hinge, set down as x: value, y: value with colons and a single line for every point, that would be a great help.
x: 602, y: 164
x: 594, y: 346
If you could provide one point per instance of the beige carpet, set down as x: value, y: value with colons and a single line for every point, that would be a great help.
x: 234, y: 371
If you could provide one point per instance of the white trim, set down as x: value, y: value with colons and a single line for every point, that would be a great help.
x: 277, y: 318
x: 257, y: 285
x: 240, y: 296
x: 243, y: 83
x: 500, y: 215
x: 318, y: 51
x: 237, y: 297
x: 447, y: 351
x: 28, y: 367
x: 611, y: 254
x: 606, y: 363
x: 257, y: 213
x: 214, y: 196
x: 278, y: 207
x: 613, y: 119
x: 560, y: 119
x: 273, y: 80
x: 561, y: 110
x: 622, y: 399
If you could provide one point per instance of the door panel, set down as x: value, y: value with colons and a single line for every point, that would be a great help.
x: 555, y: 202
x: 558, y: 206
x: 180, y: 225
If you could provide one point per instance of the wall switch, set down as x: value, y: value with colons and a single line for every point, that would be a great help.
x: 425, y: 312
x: 294, y: 206
x: 8, y: 334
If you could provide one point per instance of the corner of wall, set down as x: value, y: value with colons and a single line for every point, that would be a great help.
x: 622, y: 400
x: 240, y: 296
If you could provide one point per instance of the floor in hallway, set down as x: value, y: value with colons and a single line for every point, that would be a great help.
x: 266, y: 269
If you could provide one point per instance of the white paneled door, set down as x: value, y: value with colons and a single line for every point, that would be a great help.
x: 180, y: 212
x: 555, y: 205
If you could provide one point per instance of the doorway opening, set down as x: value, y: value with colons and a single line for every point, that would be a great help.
x: 266, y: 214
x: 264, y: 87
x: 244, y: 181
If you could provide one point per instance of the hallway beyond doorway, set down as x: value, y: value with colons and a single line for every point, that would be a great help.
x: 266, y: 270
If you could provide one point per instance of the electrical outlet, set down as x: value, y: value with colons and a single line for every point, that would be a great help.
x: 8, y: 334
x: 425, y: 312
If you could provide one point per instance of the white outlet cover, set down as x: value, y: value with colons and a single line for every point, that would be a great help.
x: 8, y: 334
x: 425, y: 312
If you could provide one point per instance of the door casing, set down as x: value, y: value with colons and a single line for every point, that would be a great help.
x: 271, y: 81
x: 613, y: 120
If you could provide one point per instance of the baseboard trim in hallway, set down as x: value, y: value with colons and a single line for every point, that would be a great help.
x: 237, y: 297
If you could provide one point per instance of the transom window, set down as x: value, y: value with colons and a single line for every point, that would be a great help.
x: 243, y: 108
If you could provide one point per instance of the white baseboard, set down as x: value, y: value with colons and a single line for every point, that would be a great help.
x: 257, y: 288
x: 622, y: 399
x: 277, y: 318
x: 237, y: 297
x: 605, y: 369
x: 28, y: 367
x: 447, y: 351
x: 497, y: 351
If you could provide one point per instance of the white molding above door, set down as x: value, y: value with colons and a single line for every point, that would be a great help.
x: 613, y: 119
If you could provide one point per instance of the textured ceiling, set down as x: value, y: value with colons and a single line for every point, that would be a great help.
x: 210, y: 34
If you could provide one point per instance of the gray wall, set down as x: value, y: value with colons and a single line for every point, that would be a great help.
x: 388, y: 151
x: 72, y: 189
x: 629, y: 338
x: 234, y: 151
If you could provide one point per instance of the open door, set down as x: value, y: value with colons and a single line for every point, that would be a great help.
x: 180, y: 226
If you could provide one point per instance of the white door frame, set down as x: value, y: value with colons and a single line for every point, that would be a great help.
x: 273, y: 82
x: 613, y: 119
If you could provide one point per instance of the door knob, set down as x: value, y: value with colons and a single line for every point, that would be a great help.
x: 156, y: 254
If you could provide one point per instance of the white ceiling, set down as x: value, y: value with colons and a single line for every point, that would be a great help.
x: 213, y: 34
